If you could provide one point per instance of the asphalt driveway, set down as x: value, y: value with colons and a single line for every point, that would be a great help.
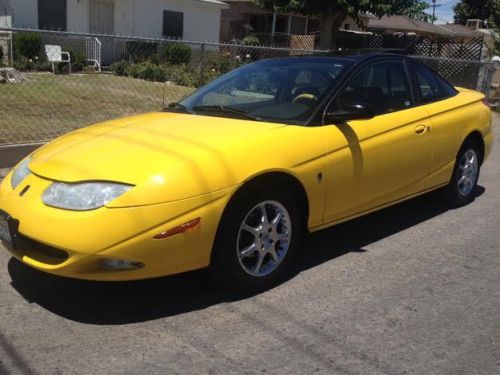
x: 413, y: 289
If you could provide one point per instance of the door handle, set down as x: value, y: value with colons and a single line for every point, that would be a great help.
x: 420, y: 129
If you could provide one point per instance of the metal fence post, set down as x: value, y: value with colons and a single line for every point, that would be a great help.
x: 202, y: 64
x: 11, y: 48
x: 490, y: 69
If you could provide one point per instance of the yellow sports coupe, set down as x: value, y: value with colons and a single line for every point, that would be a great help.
x: 234, y: 175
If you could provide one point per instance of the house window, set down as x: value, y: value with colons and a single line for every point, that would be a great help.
x: 260, y: 23
x: 173, y: 24
x: 314, y: 25
x: 52, y: 14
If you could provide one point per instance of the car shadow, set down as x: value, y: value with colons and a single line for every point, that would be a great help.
x: 138, y: 301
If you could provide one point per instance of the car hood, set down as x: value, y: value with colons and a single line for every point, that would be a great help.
x: 181, y: 152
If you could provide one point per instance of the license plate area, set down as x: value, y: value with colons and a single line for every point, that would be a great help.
x: 8, y: 230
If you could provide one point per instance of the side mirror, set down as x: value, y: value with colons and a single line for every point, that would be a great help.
x: 353, y: 111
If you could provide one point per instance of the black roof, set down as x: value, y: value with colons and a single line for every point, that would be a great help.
x: 363, y: 54
x: 355, y: 56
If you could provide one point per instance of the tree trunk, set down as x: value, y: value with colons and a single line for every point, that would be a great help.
x: 330, y: 23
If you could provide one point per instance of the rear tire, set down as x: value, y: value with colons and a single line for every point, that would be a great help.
x: 462, y: 186
x: 257, y: 240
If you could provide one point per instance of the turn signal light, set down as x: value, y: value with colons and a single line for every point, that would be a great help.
x: 180, y: 229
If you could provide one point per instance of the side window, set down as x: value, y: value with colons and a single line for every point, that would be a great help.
x: 427, y: 84
x: 431, y: 86
x: 447, y: 89
x: 384, y: 85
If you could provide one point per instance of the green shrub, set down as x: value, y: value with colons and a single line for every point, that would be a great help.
x: 23, y: 63
x: 140, y: 51
x: 250, y: 40
x: 120, y: 68
x: 175, y: 53
x: 78, y: 59
x: 28, y: 45
x: 133, y: 70
x: 184, y: 75
x: 162, y: 54
x: 152, y: 72
x: 221, y: 63
x: 143, y: 70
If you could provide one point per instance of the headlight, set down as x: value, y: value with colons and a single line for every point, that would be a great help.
x: 20, y: 173
x: 82, y: 196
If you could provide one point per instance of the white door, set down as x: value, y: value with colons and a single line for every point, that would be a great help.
x: 101, y: 16
x: 101, y: 21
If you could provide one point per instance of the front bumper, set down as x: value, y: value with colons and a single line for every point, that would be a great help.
x: 73, y: 244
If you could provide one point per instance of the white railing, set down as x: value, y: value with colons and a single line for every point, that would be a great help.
x: 93, y: 51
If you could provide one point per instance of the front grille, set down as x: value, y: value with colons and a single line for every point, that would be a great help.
x: 38, y: 251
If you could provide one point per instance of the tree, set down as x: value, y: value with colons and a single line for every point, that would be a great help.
x: 486, y: 10
x: 333, y: 12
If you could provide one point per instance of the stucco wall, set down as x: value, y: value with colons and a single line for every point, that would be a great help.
x: 5, y: 13
x: 25, y: 13
x: 77, y: 15
x: 133, y: 17
x: 201, y: 21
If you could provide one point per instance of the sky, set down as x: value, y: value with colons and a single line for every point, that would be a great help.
x: 444, y: 12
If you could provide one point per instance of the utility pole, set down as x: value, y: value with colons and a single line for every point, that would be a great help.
x: 433, y: 10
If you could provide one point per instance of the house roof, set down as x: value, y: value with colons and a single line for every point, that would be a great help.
x: 460, y: 30
x: 215, y: 2
x: 402, y: 23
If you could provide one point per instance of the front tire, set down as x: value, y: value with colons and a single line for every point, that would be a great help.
x: 461, y: 188
x: 257, y: 240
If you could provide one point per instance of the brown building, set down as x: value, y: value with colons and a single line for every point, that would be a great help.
x: 402, y: 24
x: 243, y: 18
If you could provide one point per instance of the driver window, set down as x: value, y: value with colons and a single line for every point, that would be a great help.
x: 384, y: 85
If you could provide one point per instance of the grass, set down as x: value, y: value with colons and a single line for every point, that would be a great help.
x: 45, y: 106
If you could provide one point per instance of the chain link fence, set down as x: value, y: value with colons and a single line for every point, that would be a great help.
x: 54, y: 82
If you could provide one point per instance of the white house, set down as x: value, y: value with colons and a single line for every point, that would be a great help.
x: 197, y: 20
x: 5, y: 14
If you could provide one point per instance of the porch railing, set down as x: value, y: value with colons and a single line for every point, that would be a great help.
x: 93, y: 48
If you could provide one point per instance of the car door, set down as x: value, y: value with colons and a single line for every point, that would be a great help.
x: 435, y: 97
x: 380, y: 160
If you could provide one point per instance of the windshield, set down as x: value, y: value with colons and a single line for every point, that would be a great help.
x: 281, y: 90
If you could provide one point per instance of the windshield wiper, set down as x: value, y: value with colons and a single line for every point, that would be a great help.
x: 227, y: 110
x: 178, y: 107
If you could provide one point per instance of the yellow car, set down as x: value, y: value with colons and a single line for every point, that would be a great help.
x: 232, y: 176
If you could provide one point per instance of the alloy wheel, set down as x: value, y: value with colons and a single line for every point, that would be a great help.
x: 467, y: 172
x: 264, y: 238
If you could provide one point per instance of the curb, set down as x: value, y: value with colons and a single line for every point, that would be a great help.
x: 10, y: 155
x: 4, y: 172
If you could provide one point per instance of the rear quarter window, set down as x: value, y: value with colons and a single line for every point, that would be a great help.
x: 447, y: 89
x: 430, y: 86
